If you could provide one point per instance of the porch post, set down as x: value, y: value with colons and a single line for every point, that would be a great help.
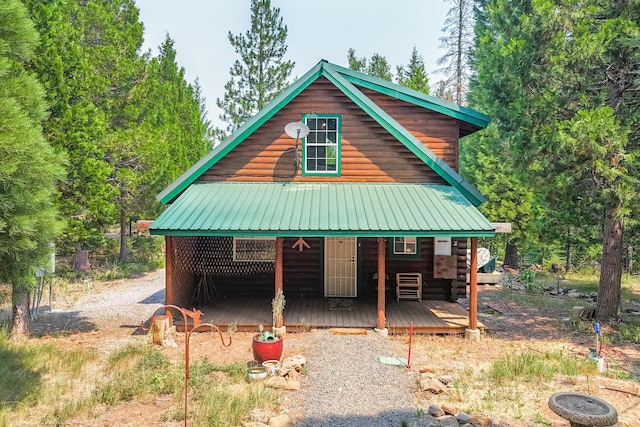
x: 381, y: 283
x: 168, y: 279
x: 472, y: 332
x: 278, y: 274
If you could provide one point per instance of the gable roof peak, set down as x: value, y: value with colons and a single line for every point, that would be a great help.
x: 349, y: 82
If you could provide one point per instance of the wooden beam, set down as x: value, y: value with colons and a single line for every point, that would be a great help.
x: 473, y: 285
x: 381, y: 283
x: 278, y: 273
x: 168, y: 280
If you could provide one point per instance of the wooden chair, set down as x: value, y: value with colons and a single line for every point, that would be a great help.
x: 408, y: 286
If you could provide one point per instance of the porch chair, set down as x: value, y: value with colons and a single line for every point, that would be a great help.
x: 408, y: 286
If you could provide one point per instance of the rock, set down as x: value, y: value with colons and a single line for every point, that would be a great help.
x: 432, y: 385
x: 280, y: 421
x: 425, y: 370
x: 447, y: 421
x: 292, y: 385
x: 276, y: 382
x: 293, y: 362
x: 435, y: 411
x: 450, y: 409
x: 480, y: 421
x: 293, y: 375
x: 463, y: 417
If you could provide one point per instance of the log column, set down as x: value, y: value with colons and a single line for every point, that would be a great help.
x: 278, y: 274
x: 472, y: 332
x: 168, y: 280
x: 381, y: 283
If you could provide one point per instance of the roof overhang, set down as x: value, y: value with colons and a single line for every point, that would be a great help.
x: 295, y: 209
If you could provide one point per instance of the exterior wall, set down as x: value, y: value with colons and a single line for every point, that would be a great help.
x: 212, y: 257
x: 369, y: 153
x: 438, y: 132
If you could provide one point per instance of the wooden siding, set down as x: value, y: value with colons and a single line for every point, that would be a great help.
x: 438, y: 132
x: 369, y: 153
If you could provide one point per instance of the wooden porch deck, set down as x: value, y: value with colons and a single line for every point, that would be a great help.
x: 428, y: 317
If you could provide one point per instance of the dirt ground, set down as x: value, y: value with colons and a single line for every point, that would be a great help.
x: 104, y: 316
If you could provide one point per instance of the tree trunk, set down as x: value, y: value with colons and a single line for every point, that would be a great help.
x: 20, y: 322
x: 511, y: 255
x: 608, y: 304
x: 80, y: 261
x: 567, y: 265
x: 123, y: 236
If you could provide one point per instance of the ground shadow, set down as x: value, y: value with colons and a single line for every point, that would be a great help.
x: 60, y: 323
x: 19, y: 381
x: 155, y: 298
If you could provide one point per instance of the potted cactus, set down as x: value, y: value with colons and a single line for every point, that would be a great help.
x: 267, y: 345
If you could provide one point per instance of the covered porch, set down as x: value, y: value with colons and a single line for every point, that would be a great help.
x: 428, y: 317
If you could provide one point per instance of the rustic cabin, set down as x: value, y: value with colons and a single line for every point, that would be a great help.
x: 344, y: 193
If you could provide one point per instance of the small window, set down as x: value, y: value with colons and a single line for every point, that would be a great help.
x: 321, y: 148
x: 247, y: 249
x: 405, y: 245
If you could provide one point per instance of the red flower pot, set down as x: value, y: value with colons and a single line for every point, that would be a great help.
x: 266, y: 350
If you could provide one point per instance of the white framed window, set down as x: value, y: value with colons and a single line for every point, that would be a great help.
x: 321, y: 147
x: 405, y: 245
x: 251, y: 249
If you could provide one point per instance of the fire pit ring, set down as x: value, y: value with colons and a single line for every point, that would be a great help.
x: 582, y: 410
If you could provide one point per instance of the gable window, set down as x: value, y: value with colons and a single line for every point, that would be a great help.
x: 321, y: 147
x: 405, y: 245
x: 254, y: 249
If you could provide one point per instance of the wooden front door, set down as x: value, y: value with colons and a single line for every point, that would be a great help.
x: 340, y: 267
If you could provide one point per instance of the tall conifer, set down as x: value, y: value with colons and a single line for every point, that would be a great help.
x: 261, y: 72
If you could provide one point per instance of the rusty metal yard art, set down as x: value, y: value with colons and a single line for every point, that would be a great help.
x: 188, y: 331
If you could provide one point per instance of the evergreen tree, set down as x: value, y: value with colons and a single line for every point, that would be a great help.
x: 414, y: 75
x: 29, y: 168
x: 458, y: 42
x: 261, y: 73
x: 560, y: 82
x: 502, y: 61
x: 376, y: 66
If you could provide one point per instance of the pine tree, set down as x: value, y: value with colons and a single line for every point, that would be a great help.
x: 261, y: 73
x: 560, y: 82
x: 414, y: 75
x: 458, y: 42
x: 29, y: 168
x: 75, y: 125
x: 376, y: 66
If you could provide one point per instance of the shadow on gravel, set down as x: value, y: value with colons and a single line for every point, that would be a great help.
x: 156, y: 298
x: 60, y: 322
x: 384, y: 419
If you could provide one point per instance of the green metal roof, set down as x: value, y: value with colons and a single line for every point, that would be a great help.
x: 348, y: 81
x: 321, y: 209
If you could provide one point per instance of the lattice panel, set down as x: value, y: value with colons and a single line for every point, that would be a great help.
x: 214, y: 256
x: 183, y: 285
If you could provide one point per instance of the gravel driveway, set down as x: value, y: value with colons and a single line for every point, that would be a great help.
x: 347, y: 386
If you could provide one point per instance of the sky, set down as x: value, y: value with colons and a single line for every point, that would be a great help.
x: 316, y: 30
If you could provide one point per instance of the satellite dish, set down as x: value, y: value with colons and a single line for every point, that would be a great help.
x: 296, y: 130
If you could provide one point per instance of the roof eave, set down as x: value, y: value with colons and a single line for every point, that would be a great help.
x: 475, y: 118
x: 403, y: 135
